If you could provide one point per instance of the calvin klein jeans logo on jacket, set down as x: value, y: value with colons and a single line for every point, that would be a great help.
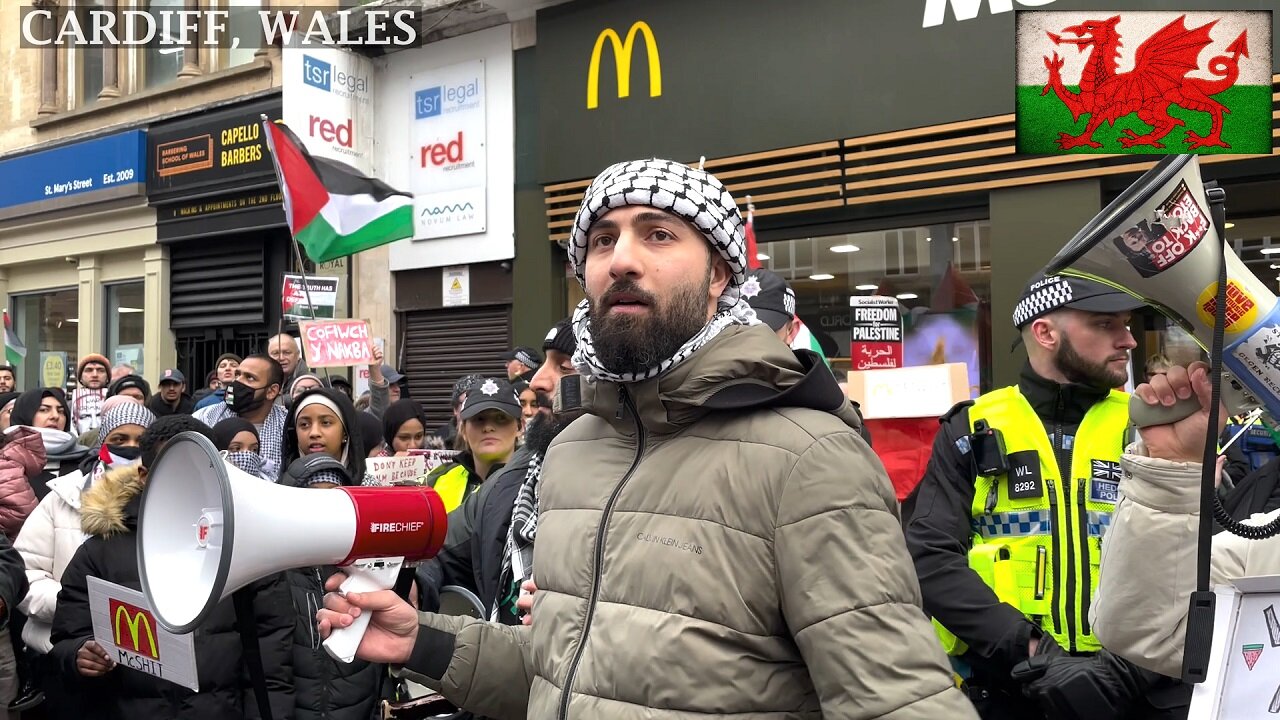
x: 670, y: 542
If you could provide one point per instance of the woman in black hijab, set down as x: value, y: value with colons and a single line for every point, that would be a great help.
x: 404, y: 426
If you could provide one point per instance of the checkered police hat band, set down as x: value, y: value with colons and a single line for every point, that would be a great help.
x: 1045, y: 298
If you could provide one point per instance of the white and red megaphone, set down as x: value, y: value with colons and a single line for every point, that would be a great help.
x: 1158, y: 242
x: 207, y: 529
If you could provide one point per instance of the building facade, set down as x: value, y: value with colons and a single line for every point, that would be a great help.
x: 877, y: 143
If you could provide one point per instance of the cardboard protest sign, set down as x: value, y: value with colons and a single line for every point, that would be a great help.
x: 395, y: 470
x: 436, y: 458
x: 322, y: 291
x: 336, y: 343
x: 407, y: 468
x: 1244, y: 667
x: 125, y: 627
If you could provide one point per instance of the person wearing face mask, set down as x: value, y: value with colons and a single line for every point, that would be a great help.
x: 322, y: 453
x: 52, y: 534
x: 110, y: 519
x: 237, y: 438
x: 490, y: 424
x: 252, y: 396
x: 45, y: 411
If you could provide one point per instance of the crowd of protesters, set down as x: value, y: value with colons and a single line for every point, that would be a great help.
x: 73, y: 463
x: 712, y: 532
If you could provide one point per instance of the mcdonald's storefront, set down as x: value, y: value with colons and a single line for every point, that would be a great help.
x: 876, y: 141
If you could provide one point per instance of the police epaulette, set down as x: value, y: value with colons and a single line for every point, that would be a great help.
x: 955, y: 409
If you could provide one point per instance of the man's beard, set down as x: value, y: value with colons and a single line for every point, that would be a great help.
x: 631, y: 343
x: 1078, y: 370
x: 544, y: 428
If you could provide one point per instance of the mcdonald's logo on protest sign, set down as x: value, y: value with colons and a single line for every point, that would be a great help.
x: 135, y: 620
x: 622, y: 50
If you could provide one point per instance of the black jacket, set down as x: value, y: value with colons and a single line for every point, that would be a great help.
x: 477, y: 538
x: 110, y: 514
x: 13, y: 579
x: 1258, y: 492
x: 938, y: 530
x: 160, y: 408
x: 937, y: 524
x: 324, y: 687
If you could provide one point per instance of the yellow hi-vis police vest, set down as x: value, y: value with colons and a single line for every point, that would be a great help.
x: 451, y: 485
x: 1037, y: 537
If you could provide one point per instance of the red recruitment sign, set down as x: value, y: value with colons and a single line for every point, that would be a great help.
x: 336, y: 343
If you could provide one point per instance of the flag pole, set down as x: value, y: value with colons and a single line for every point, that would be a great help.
x: 297, y: 252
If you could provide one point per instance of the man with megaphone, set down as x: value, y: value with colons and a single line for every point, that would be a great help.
x: 713, y: 535
x: 1006, y: 550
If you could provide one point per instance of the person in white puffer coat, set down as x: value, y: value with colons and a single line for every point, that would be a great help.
x: 52, y: 534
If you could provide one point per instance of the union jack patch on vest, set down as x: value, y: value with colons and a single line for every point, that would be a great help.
x: 1106, y: 470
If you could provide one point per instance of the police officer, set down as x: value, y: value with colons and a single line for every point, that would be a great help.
x: 1006, y: 526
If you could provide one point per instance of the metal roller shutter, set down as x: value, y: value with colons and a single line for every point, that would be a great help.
x: 217, y: 283
x: 441, y: 346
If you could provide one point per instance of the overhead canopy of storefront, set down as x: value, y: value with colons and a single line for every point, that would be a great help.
x: 211, y: 173
x: 637, y: 78
x: 74, y: 175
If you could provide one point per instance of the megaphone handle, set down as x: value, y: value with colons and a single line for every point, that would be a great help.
x: 1145, y: 415
x: 362, y: 576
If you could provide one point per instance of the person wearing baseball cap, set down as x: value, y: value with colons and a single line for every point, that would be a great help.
x: 774, y: 302
x: 489, y: 425
x: 695, y: 419
x: 172, y: 397
x: 522, y: 363
x: 1034, y: 467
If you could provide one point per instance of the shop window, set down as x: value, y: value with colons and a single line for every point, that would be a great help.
x: 244, y: 28
x: 162, y: 61
x: 124, y: 324
x: 47, y: 323
x: 940, y: 274
x: 87, y: 62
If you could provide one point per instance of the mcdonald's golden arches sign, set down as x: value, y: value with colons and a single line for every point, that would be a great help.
x: 622, y: 51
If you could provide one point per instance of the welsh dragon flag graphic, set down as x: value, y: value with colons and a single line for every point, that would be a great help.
x: 333, y: 209
x: 1144, y: 82
x: 14, y: 350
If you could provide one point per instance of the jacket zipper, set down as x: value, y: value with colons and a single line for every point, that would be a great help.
x: 1064, y: 469
x: 598, y: 559
x: 1085, y: 570
x: 1057, y: 555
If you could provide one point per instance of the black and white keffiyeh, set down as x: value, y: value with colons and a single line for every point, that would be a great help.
x: 517, y: 561
x: 692, y: 194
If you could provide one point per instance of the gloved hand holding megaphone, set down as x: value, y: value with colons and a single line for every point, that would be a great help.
x: 207, y: 529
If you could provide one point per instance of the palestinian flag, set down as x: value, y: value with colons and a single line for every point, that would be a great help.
x: 334, y: 210
x: 14, y: 350
x: 1144, y: 82
x: 805, y: 340
x: 753, y: 252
